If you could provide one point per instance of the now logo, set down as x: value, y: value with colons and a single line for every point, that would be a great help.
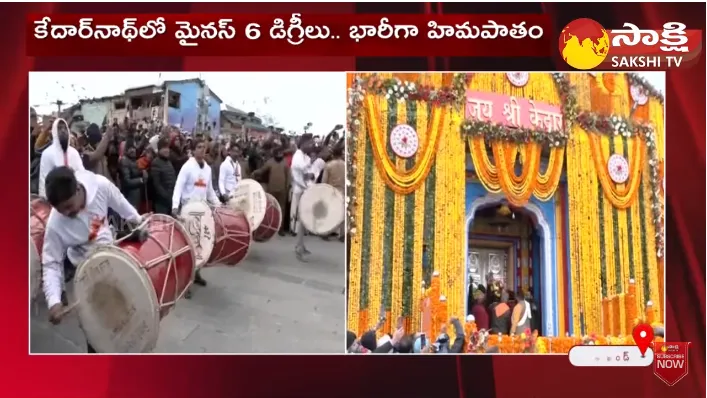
x: 671, y: 361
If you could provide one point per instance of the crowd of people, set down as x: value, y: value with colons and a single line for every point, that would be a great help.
x: 492, y: 309
x: 100, y: 179
x: 144, y: 163
x: 401, y: 342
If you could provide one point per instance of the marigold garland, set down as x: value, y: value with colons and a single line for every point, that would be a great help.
x: 546, y: 183
x: 500, y: 172
x: 419, y: 224
x: 622, y: 196
x: 517, y: 188
x: 398, y: 224
x: 485, y: 169
x: 405, y: 181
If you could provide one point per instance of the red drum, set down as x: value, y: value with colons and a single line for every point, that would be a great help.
x: 39, y: 210
x: 271, y: 222
x: 124, y: 291
x: 232, y: 237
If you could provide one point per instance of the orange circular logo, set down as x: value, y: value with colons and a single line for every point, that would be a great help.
x: 584, y: 44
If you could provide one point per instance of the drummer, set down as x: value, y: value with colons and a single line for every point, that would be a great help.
x: 302, y: 177
x: 194, y: 182
x: 79, y: 219
x: 230, y: 172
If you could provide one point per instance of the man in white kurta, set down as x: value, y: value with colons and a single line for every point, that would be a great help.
x: 299, y: 168
x: 229, y: 173
x: 194, y: 182
x: 302, y: 177
x: 59, y: 153
x: 78, y: 221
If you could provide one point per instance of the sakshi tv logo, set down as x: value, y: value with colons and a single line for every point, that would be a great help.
x: 585, y: 45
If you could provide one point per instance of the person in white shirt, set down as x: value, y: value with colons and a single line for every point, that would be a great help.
x: 78, y: 221
x: 302, y: 177
x: 194, y: 182
x: 299, y: 167
x: 230, y: 172
x: 59, y: 153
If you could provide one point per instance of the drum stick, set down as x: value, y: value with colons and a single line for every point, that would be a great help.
x: 143, y: 224
x: 68, y: 309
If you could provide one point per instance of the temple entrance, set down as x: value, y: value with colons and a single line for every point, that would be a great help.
x: 504, y: 246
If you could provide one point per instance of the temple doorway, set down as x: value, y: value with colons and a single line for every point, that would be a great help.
x: 504, y: 245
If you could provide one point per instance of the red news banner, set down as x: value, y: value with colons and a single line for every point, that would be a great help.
x: 291, y: 34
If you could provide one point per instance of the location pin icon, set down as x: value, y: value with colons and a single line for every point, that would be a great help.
x: 643, y: 336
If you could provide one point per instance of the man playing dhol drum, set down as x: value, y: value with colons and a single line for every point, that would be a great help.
x: 194, y: 182
x: 79, y: 220
x: 301, y: 178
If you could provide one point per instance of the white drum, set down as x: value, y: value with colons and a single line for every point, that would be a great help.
x: 321, y: 209
x: 118, y: 309
x: 249, y: 197
x: 198, y: 219
x: 123, y: 291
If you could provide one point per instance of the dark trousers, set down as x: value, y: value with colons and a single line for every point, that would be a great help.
x: 162, y: 208
x: 286, y: 213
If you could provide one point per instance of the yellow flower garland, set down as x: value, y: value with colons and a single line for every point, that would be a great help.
x: 354, y: 286
x: 517, y: 188
x: 547, y: 182
x: 375, y: 267
x: 621, y: 196
x: 484, y: 167
x: 499, y: 175
x: 399, y: 232
x: 407, y: 181
x: 454, y: 220
x: 419, y: 222
x: 584, y: 244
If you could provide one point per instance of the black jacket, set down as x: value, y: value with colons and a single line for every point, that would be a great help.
x: 163, y: 177
x: 131, y: 182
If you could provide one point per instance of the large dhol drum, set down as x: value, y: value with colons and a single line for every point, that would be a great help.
x: 39, y: 210
x: 232, y: 241
x: 124, y: 291
x: 271, y: 222
x: 321, y: 209
x: 249, y: 197
x: 198, y: 219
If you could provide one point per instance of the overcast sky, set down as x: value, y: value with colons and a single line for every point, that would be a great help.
x: 656, y: 79
x: 293, y: 99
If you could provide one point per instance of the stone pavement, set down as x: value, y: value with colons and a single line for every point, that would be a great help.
x: 270, y: 303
